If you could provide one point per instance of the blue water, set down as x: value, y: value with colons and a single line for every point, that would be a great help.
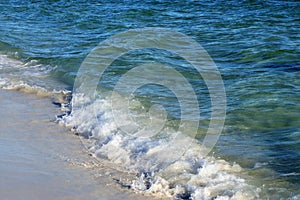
x: 255, y: 45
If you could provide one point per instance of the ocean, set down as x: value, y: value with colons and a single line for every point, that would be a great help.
x: 151, y: 121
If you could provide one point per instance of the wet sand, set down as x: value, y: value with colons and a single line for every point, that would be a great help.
x: 42, y: 160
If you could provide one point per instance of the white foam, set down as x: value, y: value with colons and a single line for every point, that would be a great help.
x: 155, y: 160
x: 31, y: 77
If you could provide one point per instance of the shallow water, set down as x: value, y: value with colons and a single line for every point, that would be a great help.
x: 254, y: 44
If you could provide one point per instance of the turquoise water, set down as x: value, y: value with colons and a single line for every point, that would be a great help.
x: 254, y: 44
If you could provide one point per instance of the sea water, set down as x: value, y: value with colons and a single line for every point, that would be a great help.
x: 255, y: 46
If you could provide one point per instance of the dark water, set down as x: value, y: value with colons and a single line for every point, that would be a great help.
x: 255, y: 45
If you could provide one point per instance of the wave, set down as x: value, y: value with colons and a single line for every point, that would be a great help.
x: 155, y: 160
x: 32, y: 77
x: 163, y: 166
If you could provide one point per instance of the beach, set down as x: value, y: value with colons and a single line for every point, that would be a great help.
x: 42, y: 160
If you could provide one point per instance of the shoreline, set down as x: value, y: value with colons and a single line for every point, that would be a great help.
x: 41, y: 159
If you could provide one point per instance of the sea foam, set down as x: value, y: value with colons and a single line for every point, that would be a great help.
x: 157, y: 161
x: 32, y: 77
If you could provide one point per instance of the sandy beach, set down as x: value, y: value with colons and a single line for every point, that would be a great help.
x: 42, y: 160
